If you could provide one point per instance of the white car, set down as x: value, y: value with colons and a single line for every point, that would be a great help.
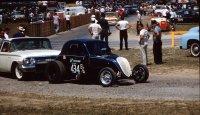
x: 21, y: 56
x: 160, y: 9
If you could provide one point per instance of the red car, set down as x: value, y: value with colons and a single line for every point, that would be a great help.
x: 121, y: 12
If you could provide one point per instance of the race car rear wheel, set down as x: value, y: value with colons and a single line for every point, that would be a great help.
x: 194, y: 49
x: 55, y: 71
x: 107, y: 77
x: 140, y: 73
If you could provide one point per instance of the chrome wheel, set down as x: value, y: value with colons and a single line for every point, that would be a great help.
x: 194, y: 49
x: 107, y: 77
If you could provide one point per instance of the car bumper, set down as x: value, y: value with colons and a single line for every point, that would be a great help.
x: 38, y: 68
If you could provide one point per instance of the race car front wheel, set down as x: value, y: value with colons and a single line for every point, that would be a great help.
x: 140, y: 73
x: 55, y: 71
x: 107, y: 77
x: 194, y: 49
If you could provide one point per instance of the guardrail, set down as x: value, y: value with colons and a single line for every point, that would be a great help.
x: 173, y: 33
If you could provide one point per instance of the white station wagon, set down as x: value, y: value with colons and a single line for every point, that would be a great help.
x: 21, y: 56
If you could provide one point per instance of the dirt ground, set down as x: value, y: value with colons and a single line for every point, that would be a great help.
x: 176, y: 62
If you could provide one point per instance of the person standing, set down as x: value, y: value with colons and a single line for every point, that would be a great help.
x: 157, y: 43
x: 138, y: 21
x: 94, y: 29
x: 6, y: 32
x: 143, y: 42
x: 122, y: 26
x: 105, y: 28
x: 20, y: 32
x: 56, y: 21
x: 68, y: 23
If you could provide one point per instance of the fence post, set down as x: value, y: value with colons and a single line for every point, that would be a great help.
x: 172, y: 39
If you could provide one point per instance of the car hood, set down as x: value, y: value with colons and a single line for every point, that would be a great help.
x: 37, y: 53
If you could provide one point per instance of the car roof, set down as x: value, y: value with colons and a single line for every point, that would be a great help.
x: 85, y: 40
x: 18, y: 38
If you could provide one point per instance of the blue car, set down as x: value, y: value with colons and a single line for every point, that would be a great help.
x: 190, y: 40
x: 83, y: 58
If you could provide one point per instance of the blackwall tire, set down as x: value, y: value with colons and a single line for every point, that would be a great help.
x: 107, y: 77
x: 194, y: 49
x: 55, y: 72
x: 140, y: 73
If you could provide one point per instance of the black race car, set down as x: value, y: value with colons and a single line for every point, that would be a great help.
x: 88, y: 57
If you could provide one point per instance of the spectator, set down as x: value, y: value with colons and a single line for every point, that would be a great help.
x: 31, y: 15
x: 157, y: 43
x: 143, y: 42
x: 173, y: 17
x: 48, y: 16
x: 6, y: 33
x: 94, y: 29
x: 105, y: 28
x: 139, y: 21
x: 122, y: 26
x: 56, y: 21
x: 68, y: 23
x: 93, y: 17
x: 1, y: 37
x: 20, y: 32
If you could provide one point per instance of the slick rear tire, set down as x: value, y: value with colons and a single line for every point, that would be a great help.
x: 55, y: 72
x: 107, y: 77
x: 140, y: 73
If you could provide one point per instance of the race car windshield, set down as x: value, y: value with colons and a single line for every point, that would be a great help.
x: 98, y: 48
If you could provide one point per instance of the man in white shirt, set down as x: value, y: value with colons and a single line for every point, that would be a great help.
x: 6, y: 32
x: 173, y: 16
x: 139, y: 20
x: 94, y: 29
x: 56, y: 20
x: 143, y: 42
x: 68, y: 23
x: 122, y: 26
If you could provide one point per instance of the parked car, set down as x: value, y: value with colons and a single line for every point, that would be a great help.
x: 122, y: 12
x: 190, y: 40
x: 17, y: 15
x: 111, y: 17
x: 130, y: 9
x: 83, y: 58
x: 160, y: 9
x: 21, y: 56
x: 187, y: 16
x: 164, y: 24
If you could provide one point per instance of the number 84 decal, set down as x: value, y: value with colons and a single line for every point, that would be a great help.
x: 77, y: 68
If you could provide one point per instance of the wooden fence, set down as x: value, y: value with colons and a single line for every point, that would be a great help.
x: 47, y: 28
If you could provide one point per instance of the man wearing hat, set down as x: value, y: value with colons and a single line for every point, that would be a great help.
x: 20, y: 32
x: 94, y: 29
x: 139, y: 21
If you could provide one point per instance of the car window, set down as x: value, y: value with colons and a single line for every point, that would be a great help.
x: 5, y: 47
x: 98, y: 48
x: 30, y: 44
x: 76, y: 49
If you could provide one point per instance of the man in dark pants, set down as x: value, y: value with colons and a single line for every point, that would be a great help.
x: 105, y: 28
x: 122, y: 26
x: 157, y: 43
